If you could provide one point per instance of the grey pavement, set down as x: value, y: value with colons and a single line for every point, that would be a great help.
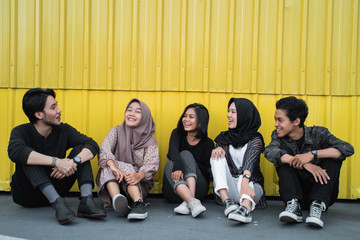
x: 342, y: 221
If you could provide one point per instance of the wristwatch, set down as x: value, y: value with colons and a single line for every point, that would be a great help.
x: 247, y: 176
x: 53, y: 164
x: 77, y: 160
x: 315, y: 153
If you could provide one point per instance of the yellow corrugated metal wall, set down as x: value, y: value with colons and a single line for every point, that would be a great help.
x: 169, y: 53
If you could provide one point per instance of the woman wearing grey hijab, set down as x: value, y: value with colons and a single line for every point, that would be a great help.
x: 128, y: 160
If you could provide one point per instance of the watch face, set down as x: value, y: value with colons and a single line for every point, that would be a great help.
x: 77, y: 159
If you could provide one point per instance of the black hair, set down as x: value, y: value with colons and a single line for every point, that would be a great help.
x: 294, y: 108
x: 202, y: 119
x: 34, y: 101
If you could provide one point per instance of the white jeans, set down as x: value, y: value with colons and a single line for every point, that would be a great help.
x: 224, y: 180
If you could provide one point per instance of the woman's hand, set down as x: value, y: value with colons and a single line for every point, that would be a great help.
x: 134, y: 178
x: 245, y: 188
x: 119, y: 175
x: 176, y: 175
x: 319, y: 174
x: 217, y: 153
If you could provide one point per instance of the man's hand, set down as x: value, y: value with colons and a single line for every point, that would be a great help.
x: 319, y: 174
x: 66, y: 166
x: 299, y: 160
x: 57, y: 174
x: 176, y: 175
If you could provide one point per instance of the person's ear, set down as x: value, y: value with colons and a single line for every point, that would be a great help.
x: 297, y: 121
x: 39, y: 115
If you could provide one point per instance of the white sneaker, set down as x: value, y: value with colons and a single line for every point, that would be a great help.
x: 182, y: 209
x: 314, y: 218
x: 120, y: 204
x: 196, y: 207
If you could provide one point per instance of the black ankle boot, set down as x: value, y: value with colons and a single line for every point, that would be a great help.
x: 89, y: 209
x: 63, y: 213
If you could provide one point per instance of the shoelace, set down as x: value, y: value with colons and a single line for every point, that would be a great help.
x: 291, y: 205
x: 316, y: 209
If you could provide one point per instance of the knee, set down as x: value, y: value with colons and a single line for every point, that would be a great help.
x: 218, y: 162
x: 187, y: 156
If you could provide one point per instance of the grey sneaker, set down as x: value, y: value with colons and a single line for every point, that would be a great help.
x: 120, y: 204
x: 314, y: 218
x: 182, y: 209
x: 241, y: 215
x: 196, y: 207
x: 292, y: 212
x: 138, y: 212
x: 230, y: 206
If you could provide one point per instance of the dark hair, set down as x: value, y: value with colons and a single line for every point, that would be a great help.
x: 202, y: 118
x: 294, y: 108
x: 34, y: 101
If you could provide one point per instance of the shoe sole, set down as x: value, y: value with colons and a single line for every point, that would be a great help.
x: 290, y: 218
x: 315, y: 222
x: 198, y: 212
x: 137, y: 216
x: 239, y: 218
x: 67, y: 220
x: 230, y: 209
x: 94, y: 216
x: 121, y: 206
x: 182, y: 212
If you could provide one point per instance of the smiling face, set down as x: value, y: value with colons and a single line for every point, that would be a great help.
x: 232, y: 116
x: 133, y: 114
x: 189, y: 120
x: 284, y: 126
x: 51, y: 115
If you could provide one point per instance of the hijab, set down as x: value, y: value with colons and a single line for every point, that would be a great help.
x: 248, y: 123
x: 130, y: 139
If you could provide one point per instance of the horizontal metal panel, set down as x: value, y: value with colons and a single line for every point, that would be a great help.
x: 95, y: 112
x: 233, y: 46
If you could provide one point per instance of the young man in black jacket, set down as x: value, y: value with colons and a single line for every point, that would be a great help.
x: 43, y: 173
x: 307, y: 161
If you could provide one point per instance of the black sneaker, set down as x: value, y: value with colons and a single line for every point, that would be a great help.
x: 314, y: 218
x: 138, y: 211
x: 292, y: 212
x: 241, y: 215
x: 230, y: 206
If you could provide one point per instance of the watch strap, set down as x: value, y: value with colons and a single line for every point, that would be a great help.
x: 53, y: 164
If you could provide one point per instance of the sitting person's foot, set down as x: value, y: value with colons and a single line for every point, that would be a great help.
x: 138, y: 211
x: 230, y: 206
x: 182, y: 209
x: 120, y: 204
x: 292, y: 212
x: 314, y: 218
x: 241, y: 214
x: 63, y: 213
x: 196, y: 207
x: 89, y: 209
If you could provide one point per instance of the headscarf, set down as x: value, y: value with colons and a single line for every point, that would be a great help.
x: 130, y: 139
x: 248, y: 123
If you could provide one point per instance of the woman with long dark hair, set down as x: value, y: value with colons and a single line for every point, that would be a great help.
x: 187, y: 174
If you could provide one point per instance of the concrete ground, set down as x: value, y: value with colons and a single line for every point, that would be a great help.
x: 342, y: 221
